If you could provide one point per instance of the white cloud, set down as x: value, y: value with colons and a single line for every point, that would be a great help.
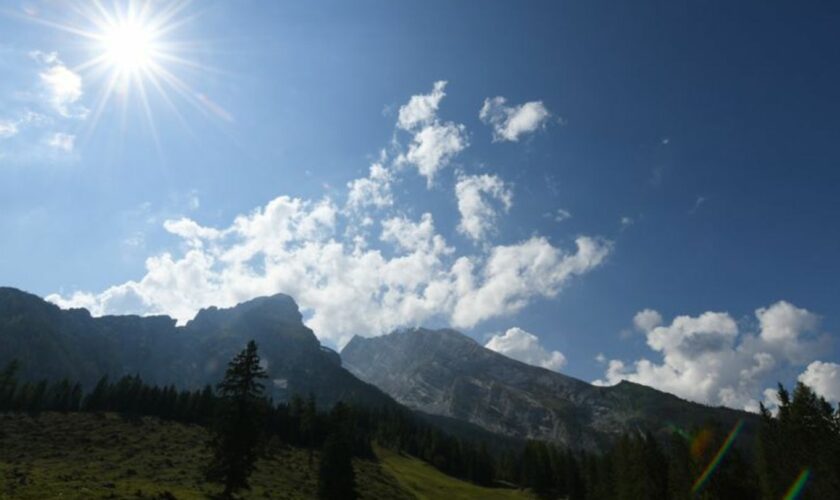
x: 411, y: 237
x: 511, y: 122
x: 56, y: 92
x: 345, y: 289
x: 434, y: 143
x: 706, y: 359
x: 63, y: 86
x: 824, y: 378
x: 191, y: 231
x: 10, y: 128
x: 514, y: 274
x: 518, y: 344
x: 434, y: 146
x: 371, y: 191
x: 475, y: 193
x: 421, y: 109
x: 783, y: 323
x: 647, y: 320
x: 326, y: 258
x: 561, y: 214
x: 62, y: 141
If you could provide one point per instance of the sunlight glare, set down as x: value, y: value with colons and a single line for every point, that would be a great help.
x: 129, y: 46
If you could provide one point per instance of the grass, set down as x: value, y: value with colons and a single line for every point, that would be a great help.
x: 89, y: 456
x: 426, y: 482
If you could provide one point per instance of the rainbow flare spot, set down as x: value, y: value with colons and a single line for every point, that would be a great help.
x: 796, y: 488
x: 713, y: 465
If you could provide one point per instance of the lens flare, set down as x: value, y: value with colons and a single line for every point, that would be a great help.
x: 700, y: 443
x: 133, y: 56
x: 795, y: 490
x: 715, y: 463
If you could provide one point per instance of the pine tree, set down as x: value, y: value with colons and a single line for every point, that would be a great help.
x: 240, y: 422
x: 336, y: 479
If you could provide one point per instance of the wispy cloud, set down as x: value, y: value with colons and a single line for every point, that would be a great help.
x: 697, y: 204
x: 61, y: 141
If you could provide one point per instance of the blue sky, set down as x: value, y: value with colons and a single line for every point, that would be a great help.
x: 692, y: 147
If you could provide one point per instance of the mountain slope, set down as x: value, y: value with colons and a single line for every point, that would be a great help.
x: 446, y: 373
x: 54, y: 343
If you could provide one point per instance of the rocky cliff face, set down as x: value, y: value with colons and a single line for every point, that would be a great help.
x: 53, y: 343
x: 446, y: 373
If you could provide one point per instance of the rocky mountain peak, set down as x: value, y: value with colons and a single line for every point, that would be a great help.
x: 446, y: 373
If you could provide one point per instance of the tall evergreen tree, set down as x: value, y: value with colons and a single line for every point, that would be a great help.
x: 240, y: 422
x: 802, y: 438
x: 336, y: 479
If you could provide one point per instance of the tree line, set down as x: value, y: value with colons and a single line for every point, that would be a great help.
x: 797, y: 446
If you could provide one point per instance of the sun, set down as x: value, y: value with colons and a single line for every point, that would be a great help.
x: 135, y: 56
x: 129, y: 46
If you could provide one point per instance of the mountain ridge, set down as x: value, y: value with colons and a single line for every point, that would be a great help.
x: 55, y: 343
x: 444, y: 372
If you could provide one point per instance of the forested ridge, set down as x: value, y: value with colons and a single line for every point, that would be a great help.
x: 797, y: 444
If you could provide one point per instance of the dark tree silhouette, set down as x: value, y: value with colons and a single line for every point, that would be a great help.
x: 240, y: 422
x: 803, y: 436
x: 336, y: 479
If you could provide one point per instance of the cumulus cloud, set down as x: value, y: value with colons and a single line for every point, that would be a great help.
x: 824, y: 378
x: 434, y: 146
x: 475, y: 194
x: 410, y: 236
x: 347, y: 281
x: 371, y: 191
x: 344, y: 288
x: 783, y: 324
x: 61, y: 141
x: 647, y: 320
x: 518, y: 344
x: 421, y: 109
x: 511, y: 122
x: 515, y: 274
x: 434, y: 143
x: 707, y: 359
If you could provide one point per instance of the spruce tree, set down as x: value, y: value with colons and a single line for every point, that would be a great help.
x: 240, y: 422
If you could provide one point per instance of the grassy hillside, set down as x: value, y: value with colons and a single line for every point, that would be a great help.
x: 426, y: 482
x: 87, y: 456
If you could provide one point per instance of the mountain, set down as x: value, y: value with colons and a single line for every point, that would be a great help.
x: 444, y: 372
x: 53, y: 343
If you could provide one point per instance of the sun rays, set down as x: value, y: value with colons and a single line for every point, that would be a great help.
x: 134, y: 58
